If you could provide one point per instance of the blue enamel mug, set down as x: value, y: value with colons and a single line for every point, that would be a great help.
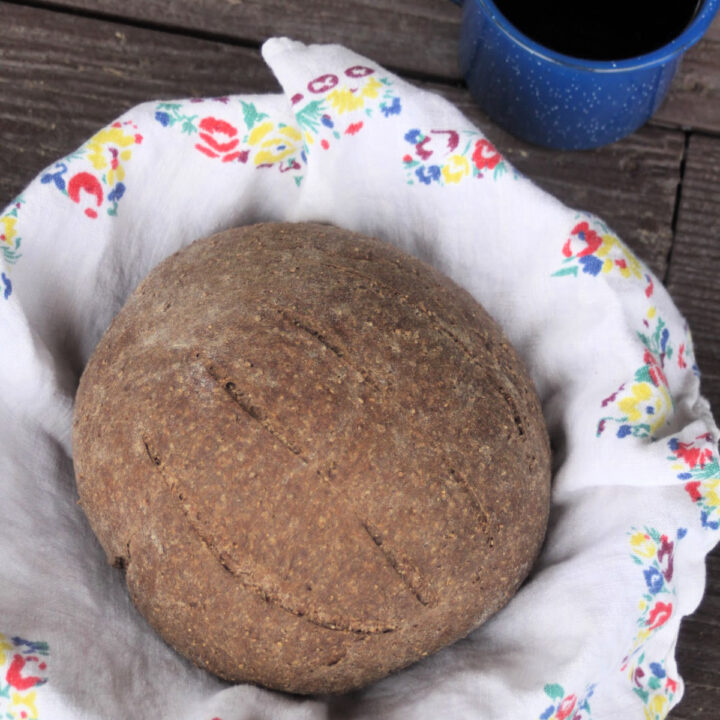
x: 564, y: 100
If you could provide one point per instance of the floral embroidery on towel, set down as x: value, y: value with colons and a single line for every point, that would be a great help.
x: 333, y: 106
x: 10, y: 242
x: 93, y: 176
x: 257, y: 140
x: 696, y: 464
x: 686, y: 353
x: 643, y: 405
x: 23, y: 669
x: 592, y: 248
x: 447, y: 157
x: 567, y: 706
x: 654, y: 552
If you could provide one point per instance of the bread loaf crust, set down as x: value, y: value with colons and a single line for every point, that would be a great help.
x: 317, y: 459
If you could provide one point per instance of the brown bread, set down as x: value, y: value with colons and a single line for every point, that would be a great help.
x: 317, y: 458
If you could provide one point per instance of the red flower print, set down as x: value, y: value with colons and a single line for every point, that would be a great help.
x: 681, y: 356
x: 566, y: 707
x: 650, y: 287
x: 85, y: 181
x: 593, y: 240
x: 353, y: 128
x: 218, y: 139
x: 15, y: 678
x: 654, y: 369
x: 691, y: 455
x: 693, y: 489
x: 659, y: 615
x: 485, y: 155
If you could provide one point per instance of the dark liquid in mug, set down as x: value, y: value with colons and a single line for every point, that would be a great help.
x: 600, y: 29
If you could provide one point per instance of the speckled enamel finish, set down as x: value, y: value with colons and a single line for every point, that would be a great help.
x: 558, y: 101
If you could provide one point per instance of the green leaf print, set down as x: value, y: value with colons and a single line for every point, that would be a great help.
x: 554, y: 691
x: 309, y: 117
x: 251, y: 114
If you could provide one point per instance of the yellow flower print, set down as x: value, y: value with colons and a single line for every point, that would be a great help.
x: 97, y: 146
x: 627, y: 264
x: 7, y: 228
x: 5, y: 645
x: 455, y: 169
x: 345, y: 100
x: 642, y: 396
x: 259, y: 132
x: 642, y: 544
x: 371, y: 88
x: 658, y: 706
x: 711, y: 492
x: 641, y: 393
x: 274, y: 143
x: 107, y: 148
x: 23, y: 706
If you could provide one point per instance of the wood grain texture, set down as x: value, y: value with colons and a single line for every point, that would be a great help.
x: 412, y: 36
x: 698, y: 652
x: 693, y: 282
x: 419, y: 36
x: 63, y: 77
x: 694, y: 97
x: 693, y: 277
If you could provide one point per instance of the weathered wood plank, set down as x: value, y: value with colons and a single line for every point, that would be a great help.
x: 62, y: 77
x: 415, y: 36
x: 693, y: 282
x: 695, y: 264
x: 698, y: 652
x: 694, y: 97
x: 419, y: 36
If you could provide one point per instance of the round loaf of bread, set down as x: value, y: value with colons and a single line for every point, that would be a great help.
x: 316, y: 458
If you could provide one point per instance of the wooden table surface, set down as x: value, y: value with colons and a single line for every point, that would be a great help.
x: 67, y: 67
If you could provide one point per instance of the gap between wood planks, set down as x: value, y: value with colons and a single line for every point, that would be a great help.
x: 676, y: 210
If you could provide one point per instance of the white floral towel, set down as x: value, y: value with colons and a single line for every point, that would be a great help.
x: 636, y: 497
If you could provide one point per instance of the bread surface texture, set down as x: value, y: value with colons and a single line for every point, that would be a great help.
x: 317, y: 459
